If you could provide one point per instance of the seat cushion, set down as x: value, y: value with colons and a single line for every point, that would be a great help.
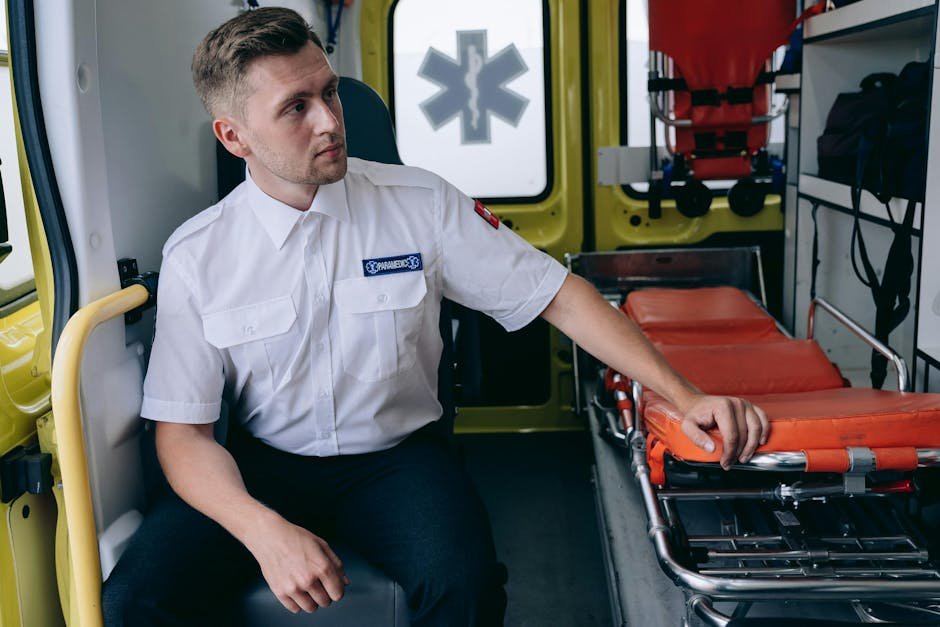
x: 763, y: 368
x: 706, y: 315
x: 822, y: 420
x: 371, y: 599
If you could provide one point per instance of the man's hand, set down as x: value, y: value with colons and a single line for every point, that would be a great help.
x: 743, y: 426
x: 301, y: 569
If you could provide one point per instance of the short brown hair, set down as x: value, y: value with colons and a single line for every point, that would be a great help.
x: 222, y: 57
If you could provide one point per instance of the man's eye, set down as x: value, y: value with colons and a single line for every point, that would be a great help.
x: 329, y: 94
x: 298, y: 107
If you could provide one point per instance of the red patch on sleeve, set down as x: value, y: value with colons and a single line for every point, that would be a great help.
x: 486, y: 214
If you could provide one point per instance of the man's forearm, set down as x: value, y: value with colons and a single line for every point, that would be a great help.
x: 204, y: 474
x: 605, y: 332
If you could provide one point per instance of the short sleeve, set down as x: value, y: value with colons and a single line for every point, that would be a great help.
x: 185, y: 378
x: 488, y: 267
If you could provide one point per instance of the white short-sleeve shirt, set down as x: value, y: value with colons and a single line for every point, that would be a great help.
x: 320, y: 327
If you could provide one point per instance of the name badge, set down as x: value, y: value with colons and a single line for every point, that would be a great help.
x: 392, y: 265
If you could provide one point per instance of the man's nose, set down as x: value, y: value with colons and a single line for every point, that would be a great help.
x: 325, y: 119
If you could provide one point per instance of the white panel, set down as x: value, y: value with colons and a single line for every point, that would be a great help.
x: 505, y: 152
x: 928, y: 332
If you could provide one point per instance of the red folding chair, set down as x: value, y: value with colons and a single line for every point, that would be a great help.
x: 710, y: 81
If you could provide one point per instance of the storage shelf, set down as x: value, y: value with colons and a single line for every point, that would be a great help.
x: 841, y: 196
x: 863, y: 15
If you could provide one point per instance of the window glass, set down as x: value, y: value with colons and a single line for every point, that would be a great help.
x: 469, y: 93
x: 16, y: 271
x: 636, y: 73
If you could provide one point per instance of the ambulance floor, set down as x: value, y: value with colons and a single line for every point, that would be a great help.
x: 537, y: 488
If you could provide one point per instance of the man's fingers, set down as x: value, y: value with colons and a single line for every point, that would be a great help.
x: 298, y: 600
x: 764, y: 424
x: 698, y: 436
x: 319, y: 594
x: 337, y: 562
x: 754, y: 432
x: 728, y: 426
x: 332, y: 584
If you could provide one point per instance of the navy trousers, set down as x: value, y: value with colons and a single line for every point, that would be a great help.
x: 410, y: 510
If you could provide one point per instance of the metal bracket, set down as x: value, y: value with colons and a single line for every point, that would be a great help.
x: 24, y: 469
x: 130, y: 275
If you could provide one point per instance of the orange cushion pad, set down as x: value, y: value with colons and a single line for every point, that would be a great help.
x: 769, y: 367
x: 822, y: 419
x: 706, y: 315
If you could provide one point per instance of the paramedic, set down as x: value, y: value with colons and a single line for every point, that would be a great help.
x: 308, y: 300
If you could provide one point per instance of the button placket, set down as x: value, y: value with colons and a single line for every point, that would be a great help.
x: 321, y: 385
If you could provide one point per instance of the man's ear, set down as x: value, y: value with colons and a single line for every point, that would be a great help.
x: 229, y: 132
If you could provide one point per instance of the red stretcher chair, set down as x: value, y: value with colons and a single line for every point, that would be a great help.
x: 710, y: 80
x: 827, y: 509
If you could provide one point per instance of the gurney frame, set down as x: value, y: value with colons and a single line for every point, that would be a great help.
x: 892, y: 566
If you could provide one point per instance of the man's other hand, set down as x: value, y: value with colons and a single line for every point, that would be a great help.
x: 743, y: 426
x: 301, y: 569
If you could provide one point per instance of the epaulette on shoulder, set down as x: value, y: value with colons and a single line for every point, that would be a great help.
x: 394, y: 175
x: 195, y: 224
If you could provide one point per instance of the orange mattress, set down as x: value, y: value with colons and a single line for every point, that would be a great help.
x: 763, y: 368
x: 821, y: 423
x: 706, y: 315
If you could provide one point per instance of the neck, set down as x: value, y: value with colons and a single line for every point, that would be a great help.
x: 296, y: 195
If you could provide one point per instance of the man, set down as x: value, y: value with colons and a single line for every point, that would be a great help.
x: 308, y: 298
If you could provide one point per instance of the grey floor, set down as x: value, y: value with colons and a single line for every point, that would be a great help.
x: 537, y: 488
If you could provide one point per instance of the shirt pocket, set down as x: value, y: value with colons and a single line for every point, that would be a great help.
x: 255, y: 336
x: 380, y: 319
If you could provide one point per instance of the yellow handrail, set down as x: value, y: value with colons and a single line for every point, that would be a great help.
x: 67, y: 416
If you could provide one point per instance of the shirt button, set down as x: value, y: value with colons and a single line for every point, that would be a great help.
x: 320, y: 298
x: 319, y: 346
x: 383, y: 298
x: 249, y: 329
x: 322, y: 394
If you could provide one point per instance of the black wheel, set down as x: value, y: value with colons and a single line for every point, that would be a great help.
x: 693, y: 199
x: 746, y: 197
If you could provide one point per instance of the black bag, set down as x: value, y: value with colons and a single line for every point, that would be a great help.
x: 877, y: 138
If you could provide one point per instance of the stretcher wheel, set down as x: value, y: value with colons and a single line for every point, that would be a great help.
x: 746, y: 197
x: 693, y: 199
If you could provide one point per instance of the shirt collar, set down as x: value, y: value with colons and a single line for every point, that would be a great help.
x: 278, y: 219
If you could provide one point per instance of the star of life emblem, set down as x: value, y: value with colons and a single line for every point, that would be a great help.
x: 473, y: 86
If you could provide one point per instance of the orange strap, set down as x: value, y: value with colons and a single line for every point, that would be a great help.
x: 655, y: 452
x: 837, y: 460
x: 901, y: 458
x: 827, y: 460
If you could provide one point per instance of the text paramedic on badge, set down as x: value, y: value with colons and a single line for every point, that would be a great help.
x: 391, y: 265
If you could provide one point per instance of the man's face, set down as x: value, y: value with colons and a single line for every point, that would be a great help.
x: 293, y: 119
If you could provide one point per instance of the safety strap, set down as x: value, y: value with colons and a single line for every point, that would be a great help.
x: 816, y: 9
x: 332, y: 23
x: 815, y: 267
x: 895, y: 284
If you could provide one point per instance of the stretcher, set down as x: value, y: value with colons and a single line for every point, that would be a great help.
x: 711, y: 82
x: 827, y: 510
